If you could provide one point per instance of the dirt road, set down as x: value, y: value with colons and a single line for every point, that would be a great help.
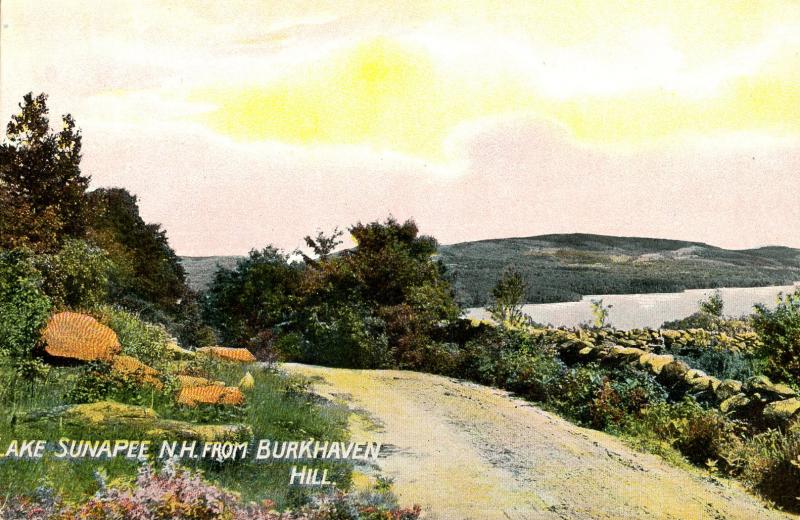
x: 465, y: 451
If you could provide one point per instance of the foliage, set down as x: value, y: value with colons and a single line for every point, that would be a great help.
x: 713, y: 305
x: 600, y: 313
x: 145, y: 341
x: 23, y: 305
x: 508, y: 297
x: 769, y: 463
x: 700, y: 434
x: 722, y: 363
x: 252, y: 297
x: 175, y: 492
x: 148, y: 270
x: 76, y: 276
x: 40, y: 178
x: 709, y: 317
x: 779, y: 329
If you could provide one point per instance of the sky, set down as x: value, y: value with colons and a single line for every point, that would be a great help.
x: 245, y: 123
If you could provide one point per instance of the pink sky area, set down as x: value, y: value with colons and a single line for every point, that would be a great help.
x: 520, y: 178
x: 245, y: 123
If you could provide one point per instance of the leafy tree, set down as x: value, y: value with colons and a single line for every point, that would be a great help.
x: 148, y: 272
x: 391, y: 281
x: 714, y: 305
x: 508, y: 297
x: 24, y: 307
x: 253, y: 297
x: 779, y: 329
x: 77, y: 276
x: 600, y: 312
x: 40, y: 178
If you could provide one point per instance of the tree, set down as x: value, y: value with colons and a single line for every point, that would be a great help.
x: 148, y: 272
x: 253, y: 297
x: 508, y: 295
x: 600, y: 312
x: 713, y: 306
x: 779, y: 329
x: 40, y: 176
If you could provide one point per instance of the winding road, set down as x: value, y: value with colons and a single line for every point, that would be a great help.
x: 464, y: 451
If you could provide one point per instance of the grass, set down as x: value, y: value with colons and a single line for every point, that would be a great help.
x: 278, y: 408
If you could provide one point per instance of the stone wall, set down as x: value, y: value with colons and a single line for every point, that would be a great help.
x: 758, y: 398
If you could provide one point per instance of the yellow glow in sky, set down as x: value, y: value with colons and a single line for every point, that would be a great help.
x: 395, y: 96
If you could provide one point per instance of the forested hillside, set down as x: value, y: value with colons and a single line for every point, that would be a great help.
x: 566, y: 267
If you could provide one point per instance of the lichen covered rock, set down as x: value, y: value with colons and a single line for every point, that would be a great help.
x: 132, y: 367
x: 241, y: 355
x: 111, y: 417
x: 211, y: 394
x: 70, y: 335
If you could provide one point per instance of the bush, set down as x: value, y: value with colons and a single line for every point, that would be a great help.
x: 23, y: 305
x: 721, y: 363
x: 344, y: 336
x: 701, y: 435
x: 780, y: 332
x: 77, y: 276
x: 769, y: 463
x: 144, y: 341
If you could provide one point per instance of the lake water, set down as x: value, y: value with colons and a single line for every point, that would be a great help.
x: 630, y: 311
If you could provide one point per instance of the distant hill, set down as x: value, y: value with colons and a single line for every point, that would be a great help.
x: 568, y: 266
x: 200, y: 269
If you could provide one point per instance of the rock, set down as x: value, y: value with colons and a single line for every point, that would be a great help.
x: 734, y: 403
x: 111, y: 416
x: 192, y: 381
x: 674, y: 371
x: 248, y: 382
x: 694, y: 373
x: 179, y: 352
x: 586, y: 351
x: 74, y: 336
x: 132, y: 367
x: 211, y: 394
x: 728, y: 388
x: 657, y: 362
x: 241, y: 355
x: 181, y: 430
x: 781, y: 411
x: 762, y: 385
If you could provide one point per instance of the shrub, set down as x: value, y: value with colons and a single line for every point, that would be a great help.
x: 77, y: 276
x: 345, y: 336
x: 701, y: 435
x: 721, y: 363
x: 144, y: 341
x: 769, y: 462
x: 23, y: 305
x: 780, y: 331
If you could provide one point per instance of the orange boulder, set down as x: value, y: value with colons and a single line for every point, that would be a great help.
x: 71, y: 335
x: 130, y: 366
x: 211, y: 394
x: 242, y: 355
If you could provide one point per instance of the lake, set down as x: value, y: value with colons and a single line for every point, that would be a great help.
x: 631, y: 311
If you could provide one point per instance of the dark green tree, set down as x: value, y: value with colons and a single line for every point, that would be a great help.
x: 254, y: 296
x: 507, y: 298
x: 148, y: 272
x: 40, y: 176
